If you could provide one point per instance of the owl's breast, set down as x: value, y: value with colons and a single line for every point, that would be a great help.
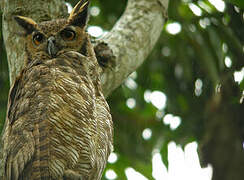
x: 65, y: 106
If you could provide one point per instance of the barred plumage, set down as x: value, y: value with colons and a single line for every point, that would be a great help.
x: 58, y: 123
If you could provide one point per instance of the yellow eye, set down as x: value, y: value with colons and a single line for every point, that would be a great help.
x: 38, y: 38
x: 68, y: 34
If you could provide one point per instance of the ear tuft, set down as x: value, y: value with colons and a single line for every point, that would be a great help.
x: 28, y: 24
x: 79, y: 15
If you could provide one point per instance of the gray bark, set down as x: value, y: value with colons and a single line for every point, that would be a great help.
x: 132, y: 39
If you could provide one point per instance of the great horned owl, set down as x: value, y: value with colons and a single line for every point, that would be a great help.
x: 58, y: 124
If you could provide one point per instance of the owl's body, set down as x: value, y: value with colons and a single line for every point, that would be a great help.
x: 58, y: 123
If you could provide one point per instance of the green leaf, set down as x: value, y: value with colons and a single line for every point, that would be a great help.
x: 164, y: 154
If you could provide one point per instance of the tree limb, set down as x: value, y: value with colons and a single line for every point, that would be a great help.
x: 132, y: 39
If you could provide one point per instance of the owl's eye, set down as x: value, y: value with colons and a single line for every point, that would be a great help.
x: 68, y: 34
x: 38, y: 38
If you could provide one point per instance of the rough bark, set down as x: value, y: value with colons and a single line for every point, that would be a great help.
x: 123, y: 49
x: 132, y: 39
x: 128, y: 43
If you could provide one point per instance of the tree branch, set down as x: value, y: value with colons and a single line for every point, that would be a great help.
x: 132, y: 39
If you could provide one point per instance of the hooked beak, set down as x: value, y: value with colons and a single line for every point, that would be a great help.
x: 51, y: 48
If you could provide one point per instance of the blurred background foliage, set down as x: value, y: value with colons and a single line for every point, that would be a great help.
x: 200, y: 45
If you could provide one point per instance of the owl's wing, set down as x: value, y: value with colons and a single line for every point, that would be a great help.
x: 18, y: 143
x: 17, y: 154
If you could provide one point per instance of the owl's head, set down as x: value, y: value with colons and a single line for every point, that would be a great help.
x: 50, y: 38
